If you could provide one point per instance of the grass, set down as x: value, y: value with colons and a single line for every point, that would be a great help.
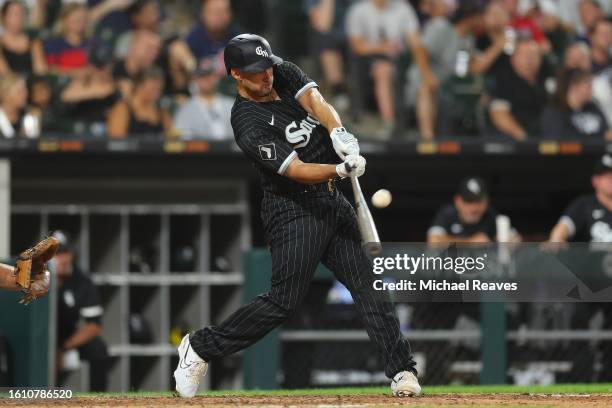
x: 451, y: 389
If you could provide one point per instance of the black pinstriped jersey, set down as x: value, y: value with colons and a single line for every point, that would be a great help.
x: 588, y: 220
x: 271, y: 134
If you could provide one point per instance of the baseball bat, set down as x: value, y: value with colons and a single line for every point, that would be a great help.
x: 367, y: 228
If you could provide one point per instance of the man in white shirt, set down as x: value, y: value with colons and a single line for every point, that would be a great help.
x: 378, y: 32
x: 207, y: 114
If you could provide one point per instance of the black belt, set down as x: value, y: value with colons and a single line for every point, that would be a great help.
x: 328, y: 187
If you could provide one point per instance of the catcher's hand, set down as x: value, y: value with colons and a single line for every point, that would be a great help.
x: 30, y: 269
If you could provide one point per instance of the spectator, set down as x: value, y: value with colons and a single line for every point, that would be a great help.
x: 86, y: 99
x: 42, y: 100
x: 327, y: 22
x: 469, y: 219
x: 207, y: 114
x: 577, y: 56
x: 519, y: 94
x: 496, y: 42
x: 66, y: 52
x: 172, y: 54
x: 44, y: 13
x: 19, y: 53
x: 446, y: 43
x: 140, y: 114
x: 525, y: 25
x: 377, y: 31
x: 144, y: 51
x: 79, y: 318
x: 590, y: 13
x: 16, y: 119
x: 208, y: 38
x: 600, y: 38
x: 572, y: 113
x: 143, y: 15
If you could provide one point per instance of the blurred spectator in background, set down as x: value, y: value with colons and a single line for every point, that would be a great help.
x: 497, y: 41
x: 577, y: 56
x: 86, y: 99
x: 144, y: 50
x: 19, y: 53
x: 44, y: 13
x: 600, y: 38
x: 16, y: 119
x: 523, y: 21
x: 140, y: 113
x: 171, y: 54
x: 469, y: 219
x: 589, y: 12
x: 207, y: 114
x: 519, y: 94
x: 559, y: 35
x: 449, y: 45
x: 42, y: 100
x: 79, y: 319
x: 66, y: 51
x: 329, y: 43
x: 572, y: 114
x: 143, y: 15
x: 378, y: 31
x: 209, y: 37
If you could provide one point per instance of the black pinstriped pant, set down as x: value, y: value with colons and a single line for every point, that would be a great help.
x: 302, y: 231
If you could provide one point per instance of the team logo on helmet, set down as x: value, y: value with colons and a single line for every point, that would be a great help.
x: 261, y: 52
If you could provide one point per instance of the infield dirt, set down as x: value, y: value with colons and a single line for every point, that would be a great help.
x: 426, y: 401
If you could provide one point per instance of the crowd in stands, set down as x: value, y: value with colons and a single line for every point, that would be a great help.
x: 423, y: 69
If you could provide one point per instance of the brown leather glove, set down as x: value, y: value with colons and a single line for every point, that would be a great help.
x: 30, y: 269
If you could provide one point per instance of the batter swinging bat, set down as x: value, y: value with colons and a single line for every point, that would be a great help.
x: 369, y: 234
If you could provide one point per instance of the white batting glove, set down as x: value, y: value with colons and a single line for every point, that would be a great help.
x: 354, y: 165
x: 344, y: 142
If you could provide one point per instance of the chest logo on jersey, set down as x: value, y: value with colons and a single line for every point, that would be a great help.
x: 69, y: 298
x: 456, y: 229
x: 267, y: 151
x: 598, y: 213
x: 299, y: 135
x: 601, y: 232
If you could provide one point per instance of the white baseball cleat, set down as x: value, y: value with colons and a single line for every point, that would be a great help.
x: 190, y: 370
x: 405, y: 384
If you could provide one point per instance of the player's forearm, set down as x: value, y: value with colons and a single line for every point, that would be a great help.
x: 310, y: 173
x: 8, y: 279
x: 85, y: 334
x: 314, y: 103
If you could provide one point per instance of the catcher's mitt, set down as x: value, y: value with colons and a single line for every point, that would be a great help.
x: 30, y: 269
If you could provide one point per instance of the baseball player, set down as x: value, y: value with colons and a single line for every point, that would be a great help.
x: 296, y: 141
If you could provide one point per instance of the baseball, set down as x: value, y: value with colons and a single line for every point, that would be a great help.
x: 381, y: 198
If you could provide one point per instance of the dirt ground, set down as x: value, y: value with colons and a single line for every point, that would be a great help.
x: 426, y: 401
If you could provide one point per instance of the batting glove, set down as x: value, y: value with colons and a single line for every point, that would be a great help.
x: 353, y: 166
x: 344, y: 142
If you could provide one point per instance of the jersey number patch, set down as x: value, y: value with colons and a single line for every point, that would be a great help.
x: 267, y: 151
